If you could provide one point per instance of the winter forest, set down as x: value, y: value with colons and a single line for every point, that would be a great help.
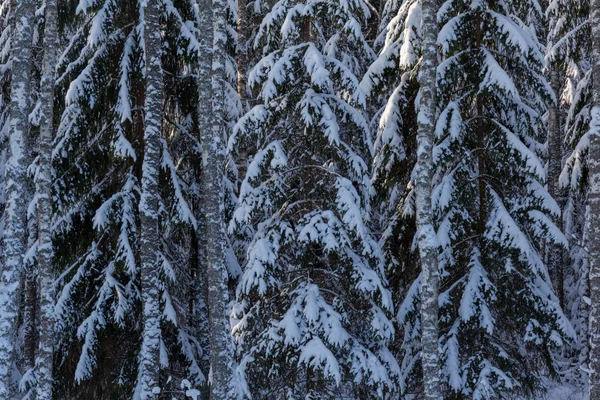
x: 300, y: 199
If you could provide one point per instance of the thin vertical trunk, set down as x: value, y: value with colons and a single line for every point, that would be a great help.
x: 213, y: 158
x: 198, y: 292
x: 242, y: 56
x: 555, y: 253
x: 29, y: 278
x: 45, y: 357
x: 15, y: 211
x: 242, y: 71
x: 205, y: 112
x: 480, y: 133
x: 428, y: 248
x: 29, y: 317
x: 150, y: 355
x: 594, y: 201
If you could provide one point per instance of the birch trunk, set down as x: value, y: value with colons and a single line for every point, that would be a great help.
x: 242, y: 71
x: 15, y: 177
x: 428, y: 248
x: 205, y: 112
x: 242, y: 56
x: 45, y: 356
x: 150, y: 354
x: 594, y: 201
x: 212, y: 125
x: 555, y: 253
x: 199, y: 312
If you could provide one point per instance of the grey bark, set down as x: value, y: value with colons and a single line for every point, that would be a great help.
x: 150, y: 239
x: 205, y: 111
x: 15, y: 178
x: 212, y: 136
x: 44, y: 360
x: 555, y: 253
x: 242, y: 72
x: 594, y: 201
x: 428, y: 248
x: 242, y: 56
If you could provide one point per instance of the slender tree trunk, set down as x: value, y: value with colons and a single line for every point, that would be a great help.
x: 555, y: 253
x: 29, y: 318
x: 205, y: 112
x: 242, y: 71
x: 45, y: 356
x: 594, y: 199
x: 150, y: 240
x: 199, y: 311
x: 29, y: 283
x: 428, y: 247
x: 242, y: 56
x: 15, y: 211
x: 213, y: 159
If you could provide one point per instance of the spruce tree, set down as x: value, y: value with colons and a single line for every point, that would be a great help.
x: 567, y: 56
x: 492, y: 212
x: 99, y: 155
x: 312, y: 273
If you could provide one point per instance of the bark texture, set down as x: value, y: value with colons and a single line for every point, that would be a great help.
x: 205, y: 112
x: 594, y: 199
x: 150, y: 239
x: 44, y: 360
x: 555, y: 253
x: 213, y: 147
x: 242, y: 56
x: 15, y: 177
x: 428, y: 247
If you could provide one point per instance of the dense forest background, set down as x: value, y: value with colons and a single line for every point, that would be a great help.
x: 300, y: 199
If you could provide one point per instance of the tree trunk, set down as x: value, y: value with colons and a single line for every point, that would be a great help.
x: 150, y: 239
x: 242, y: 56
x: 29, y: 318
x: 555, y: 253
x: 213, y: 159
x: 428, y: 247
x: 15, y: 211
x: 242, y: 71
x: 205, y: 112
x: 594, y: 199
x: 45, y: 357
x: 198, y: 292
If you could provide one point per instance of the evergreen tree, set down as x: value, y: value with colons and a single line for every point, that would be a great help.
x: 493, y: 214
x: 313, y: 274
x: 567, y: 55
x: 391, y: 85
x: 99, y: 156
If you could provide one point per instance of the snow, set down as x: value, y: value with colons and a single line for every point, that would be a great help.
x: 562, y: 392
x: 316, y: 355
x: 477, y: 295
